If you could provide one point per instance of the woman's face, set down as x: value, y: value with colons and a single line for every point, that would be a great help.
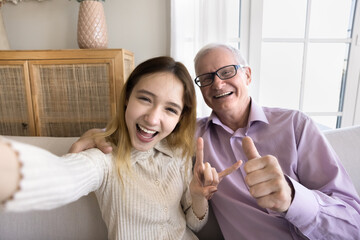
x: 153, y: 109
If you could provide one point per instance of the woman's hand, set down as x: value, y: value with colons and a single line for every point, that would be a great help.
x: 205, y: 180
x: 9, y: 171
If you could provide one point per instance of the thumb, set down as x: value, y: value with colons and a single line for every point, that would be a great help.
x: 103, y: 145
x: 249, y: 148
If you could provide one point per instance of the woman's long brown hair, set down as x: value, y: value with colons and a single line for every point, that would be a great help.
x: 182, y: 137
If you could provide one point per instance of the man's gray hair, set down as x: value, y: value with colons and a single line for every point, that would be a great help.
x: 207, y: 48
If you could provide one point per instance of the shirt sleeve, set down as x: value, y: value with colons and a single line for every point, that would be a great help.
x: 192, y: 221
x: 49, y: 181
x: 325, y: 204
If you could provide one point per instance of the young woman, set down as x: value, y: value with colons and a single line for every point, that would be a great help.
x: 145, y: 187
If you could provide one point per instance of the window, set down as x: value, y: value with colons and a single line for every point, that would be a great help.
x: 195, y: 23
x: 302, y: 53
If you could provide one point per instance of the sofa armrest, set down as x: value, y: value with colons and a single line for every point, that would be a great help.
x: 346, y: 143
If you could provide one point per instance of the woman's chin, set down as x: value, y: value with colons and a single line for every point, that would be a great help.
x: 143, y: 146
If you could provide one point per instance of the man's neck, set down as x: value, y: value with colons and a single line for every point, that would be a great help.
x: 236, y: 119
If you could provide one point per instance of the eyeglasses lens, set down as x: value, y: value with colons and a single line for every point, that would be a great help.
x: 226, y: 72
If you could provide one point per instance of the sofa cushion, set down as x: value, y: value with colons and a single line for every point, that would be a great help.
x: 78, y: 220
x: 82, y: 219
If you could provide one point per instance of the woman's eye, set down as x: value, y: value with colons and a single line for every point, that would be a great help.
x: 172, y: 110
x: 145, y: 99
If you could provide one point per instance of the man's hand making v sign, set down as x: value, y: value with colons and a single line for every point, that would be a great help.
x: 206, y: 179
x: 266, y: 180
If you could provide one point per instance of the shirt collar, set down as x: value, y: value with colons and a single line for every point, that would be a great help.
x: 256, y: 115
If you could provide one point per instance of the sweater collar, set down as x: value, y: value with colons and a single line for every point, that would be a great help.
x: 161, y: 147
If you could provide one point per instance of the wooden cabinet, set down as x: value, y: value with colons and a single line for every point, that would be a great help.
x: 60, y: 92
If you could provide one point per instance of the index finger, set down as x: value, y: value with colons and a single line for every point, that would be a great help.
x: 229, y: 170
x: 199, y: 152
x: 249, y: 148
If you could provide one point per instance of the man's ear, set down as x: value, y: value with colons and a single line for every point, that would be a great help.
x: 248, y: 75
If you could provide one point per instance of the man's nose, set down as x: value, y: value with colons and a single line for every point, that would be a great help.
x: 217, y: 82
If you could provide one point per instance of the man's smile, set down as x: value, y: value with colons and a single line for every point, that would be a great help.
x: 223, y: 94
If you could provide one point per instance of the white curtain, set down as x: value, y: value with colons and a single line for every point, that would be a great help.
x: 195, y: 23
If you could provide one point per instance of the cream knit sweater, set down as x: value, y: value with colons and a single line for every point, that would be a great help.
x: 153, y: 202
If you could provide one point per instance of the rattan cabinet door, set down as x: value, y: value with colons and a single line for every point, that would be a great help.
x: 60, y: 93
x: 16, y: 116
x: 71, y: 96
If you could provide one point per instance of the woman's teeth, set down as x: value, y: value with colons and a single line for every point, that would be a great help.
x: 146, y: 130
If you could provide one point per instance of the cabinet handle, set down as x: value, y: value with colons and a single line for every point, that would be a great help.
x: 24, y: 126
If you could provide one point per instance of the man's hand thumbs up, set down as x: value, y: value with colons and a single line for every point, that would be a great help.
x: 249, y: 148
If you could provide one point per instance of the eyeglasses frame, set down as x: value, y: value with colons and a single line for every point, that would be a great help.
x: 216, y: 73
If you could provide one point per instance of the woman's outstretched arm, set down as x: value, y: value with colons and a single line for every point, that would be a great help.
x: 32, y: 178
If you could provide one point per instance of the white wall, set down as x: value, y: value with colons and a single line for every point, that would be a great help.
x: 141, y: 26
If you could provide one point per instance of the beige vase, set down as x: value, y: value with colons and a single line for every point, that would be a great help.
x: 92, y: 32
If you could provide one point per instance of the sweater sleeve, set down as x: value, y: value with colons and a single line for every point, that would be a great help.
x: 49, y: 181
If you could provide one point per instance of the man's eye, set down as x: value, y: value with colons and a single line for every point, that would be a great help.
x: 206, y: 79
x: 226, y: 73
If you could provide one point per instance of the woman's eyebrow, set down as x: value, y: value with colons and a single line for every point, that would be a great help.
x: 146, y: 92
x: 175, y: 105
x: 143, y: 91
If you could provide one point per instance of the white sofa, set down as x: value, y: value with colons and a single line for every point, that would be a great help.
x: 82, y: 219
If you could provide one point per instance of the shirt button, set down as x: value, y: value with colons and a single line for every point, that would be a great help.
x: 157, y: 182
x: 165, y: 209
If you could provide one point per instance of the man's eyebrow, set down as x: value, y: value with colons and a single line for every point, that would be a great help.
x: 153, y: 95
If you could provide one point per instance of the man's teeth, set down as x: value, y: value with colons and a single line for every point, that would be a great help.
x: 146, y: 130
x: 223, y: 94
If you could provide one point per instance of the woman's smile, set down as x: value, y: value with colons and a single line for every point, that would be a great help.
x: 144, y: 134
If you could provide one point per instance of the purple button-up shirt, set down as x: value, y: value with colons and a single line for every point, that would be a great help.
x: 325, y: 205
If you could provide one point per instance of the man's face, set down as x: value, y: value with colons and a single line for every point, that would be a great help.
x: 224, y: 96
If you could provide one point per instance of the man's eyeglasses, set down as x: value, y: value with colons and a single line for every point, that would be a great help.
x: 223, y: 73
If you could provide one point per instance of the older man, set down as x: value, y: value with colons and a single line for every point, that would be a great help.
x: 292, y: 185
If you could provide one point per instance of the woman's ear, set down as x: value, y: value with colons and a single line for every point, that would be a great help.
x: 176, y: 127
x: 126, y: 103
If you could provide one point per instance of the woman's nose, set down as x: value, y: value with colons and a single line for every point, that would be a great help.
x: 153, y: 116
